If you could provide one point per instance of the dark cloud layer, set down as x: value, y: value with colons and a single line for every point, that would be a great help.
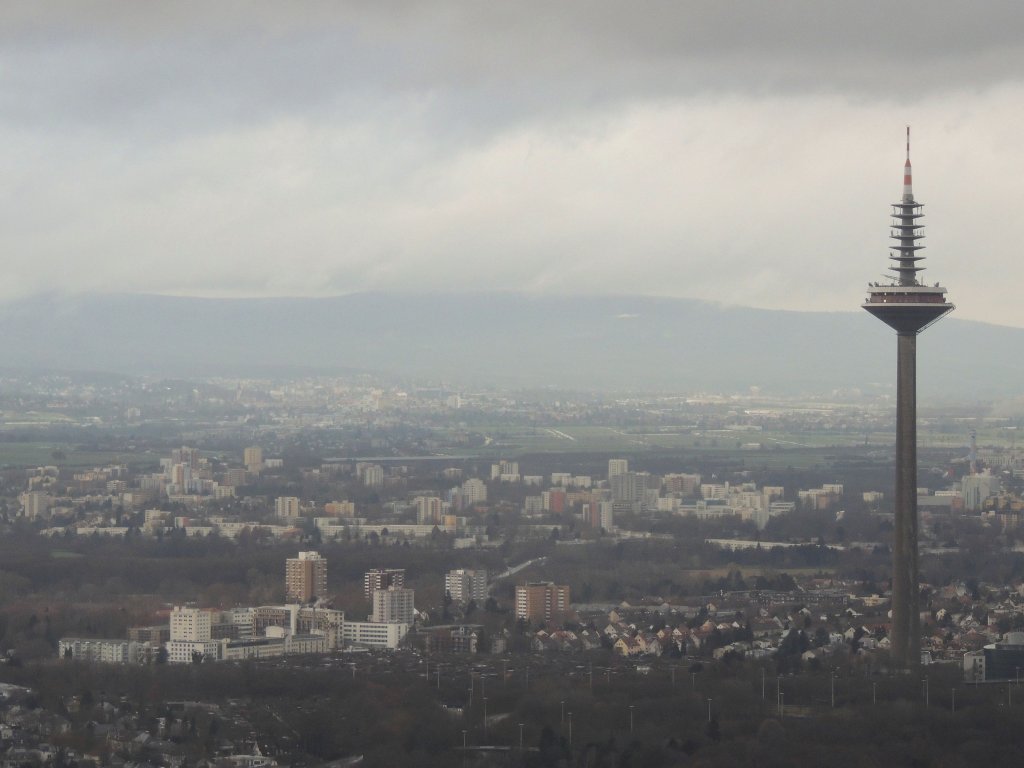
x: 113, y: 61
x: 259, y: 148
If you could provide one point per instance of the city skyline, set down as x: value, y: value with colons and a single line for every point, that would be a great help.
x: 345, y: 149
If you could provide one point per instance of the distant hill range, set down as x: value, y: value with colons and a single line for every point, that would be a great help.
x: 591, y: 343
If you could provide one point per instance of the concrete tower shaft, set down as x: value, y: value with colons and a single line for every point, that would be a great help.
x: 908, y: 307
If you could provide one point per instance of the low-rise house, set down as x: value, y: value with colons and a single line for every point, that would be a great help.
x: 627, y: 646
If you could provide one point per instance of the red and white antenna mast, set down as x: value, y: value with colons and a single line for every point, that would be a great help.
x: 908, y: 187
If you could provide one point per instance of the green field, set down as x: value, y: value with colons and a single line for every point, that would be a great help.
x: 16, y: 420
x: 39, y: 454
x: 506, y: 440
x: 778, y: 449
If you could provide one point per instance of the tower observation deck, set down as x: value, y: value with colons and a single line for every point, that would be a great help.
x: 908, y: 306
x: 905, y: 304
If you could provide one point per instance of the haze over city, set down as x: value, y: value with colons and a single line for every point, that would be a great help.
x: 463, y: 384
x: 730, y: 152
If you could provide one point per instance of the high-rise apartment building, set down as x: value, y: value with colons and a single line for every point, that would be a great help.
x: 429, y: 509
x: 686, y: 484
x: 191, y: 636
x: 286, y: 506
x: 976, y: 488
x: 180, y: 476
x: 235, y: 477
x: 190, y: 624
x: 305, y: 577
x: 382, y: 578
x: 35, y: 504
x: 506, y: 471
x: 599, y: 514
x: 393, y: 605
x: 185, y: 455
x: 464, y: 584
x: 533, y: 506
x: 541, y: 601
x: 372, y: 475
x: 554, y: 500
x: 340, y: 509
x: 253, y: 459
x: 617, y: 467
x: 628, y: 486
x: 474, y: 491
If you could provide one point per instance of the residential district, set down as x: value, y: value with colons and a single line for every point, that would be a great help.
x: 339, y: 535
x: 196, y: 497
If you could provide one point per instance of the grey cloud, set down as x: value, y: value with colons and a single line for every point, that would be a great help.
x: 309, y: 148
x: 173, y: 63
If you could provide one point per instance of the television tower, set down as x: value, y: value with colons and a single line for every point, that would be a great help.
x: 907, y: 306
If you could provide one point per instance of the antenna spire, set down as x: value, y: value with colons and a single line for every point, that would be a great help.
x: 908, y: 186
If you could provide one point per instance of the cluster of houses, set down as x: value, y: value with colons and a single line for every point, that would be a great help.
x: 962, y: 624
x: 35, y: 736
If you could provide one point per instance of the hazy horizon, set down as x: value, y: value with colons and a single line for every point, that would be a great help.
x: 590, y: 342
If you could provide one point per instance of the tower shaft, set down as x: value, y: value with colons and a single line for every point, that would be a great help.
x: 906, y: 611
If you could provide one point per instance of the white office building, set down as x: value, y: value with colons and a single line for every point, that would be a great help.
x: 374, y: 635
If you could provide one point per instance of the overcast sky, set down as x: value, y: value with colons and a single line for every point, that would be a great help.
x: 739, y: 152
